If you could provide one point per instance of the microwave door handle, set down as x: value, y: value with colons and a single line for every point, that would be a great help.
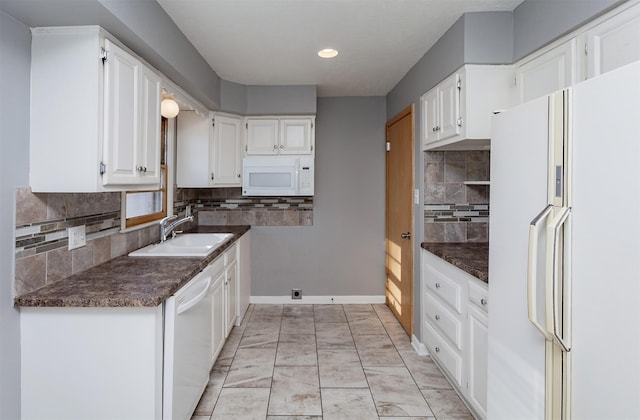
x: 296, y: 180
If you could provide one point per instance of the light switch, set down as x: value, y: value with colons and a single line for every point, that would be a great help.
x: 77, y: 236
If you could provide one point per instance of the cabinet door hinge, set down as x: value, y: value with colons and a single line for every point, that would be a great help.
x: 312, y: 147
x: 459, y: 84
x: 459, y: 121
x: 246, y: 125
x: 586, y: 49
x: 213, y: 122
x: 212, y: 176
x: 246, y: 148
x: 311, y: 125
x: 103, y: 55
x: 103, y: 168
x: 388, y: 146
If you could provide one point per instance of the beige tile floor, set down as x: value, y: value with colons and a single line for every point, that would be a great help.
x: 325, y: 362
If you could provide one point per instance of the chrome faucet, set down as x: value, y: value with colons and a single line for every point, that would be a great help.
x: 165, y: 229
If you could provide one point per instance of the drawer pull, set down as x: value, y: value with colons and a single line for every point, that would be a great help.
x: 437, y: 285
x: 483, y: 301
x: 437, y: 317
x: 437, y: 349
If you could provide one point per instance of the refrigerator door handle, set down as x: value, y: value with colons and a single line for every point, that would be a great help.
x: 565, y: 345
x: 531, y: 271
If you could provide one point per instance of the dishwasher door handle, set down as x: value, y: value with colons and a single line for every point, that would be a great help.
x: 185, y: 306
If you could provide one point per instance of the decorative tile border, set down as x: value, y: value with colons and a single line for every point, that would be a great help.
x: 227, y: 206
x: 45, y: 236
x: 475, y: 213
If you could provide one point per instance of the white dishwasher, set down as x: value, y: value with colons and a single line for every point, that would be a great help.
x: 187, y: 346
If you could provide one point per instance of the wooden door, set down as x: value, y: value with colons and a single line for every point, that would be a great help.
x: 399, y: 224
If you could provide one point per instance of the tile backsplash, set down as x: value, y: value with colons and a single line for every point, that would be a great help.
x: 227, y: 206
x: 453, y: 210
x: 42, y: 220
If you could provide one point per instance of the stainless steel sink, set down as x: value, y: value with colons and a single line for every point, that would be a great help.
x: 185, y: 245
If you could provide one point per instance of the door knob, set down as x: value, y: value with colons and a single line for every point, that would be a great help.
x: 405, y: 235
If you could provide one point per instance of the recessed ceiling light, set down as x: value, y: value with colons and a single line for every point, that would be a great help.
x: 328, y: 53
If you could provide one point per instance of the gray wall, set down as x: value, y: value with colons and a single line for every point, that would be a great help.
x: 281, y: 100
x: 343, y: 252
x: 15, y: 50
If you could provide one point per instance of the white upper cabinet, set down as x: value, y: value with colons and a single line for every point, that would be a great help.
x: 209, y: 150
x: 280, y: 135
x: 614, y: 42
x: 227, y: 151
x: 456, y: 114
x: 193, y: 141
x: 262, y: 136
x: 132, y: 120
x: 545, y: 73
x: 95, y: 114
x: 296, y: 136
x: 608, y: 42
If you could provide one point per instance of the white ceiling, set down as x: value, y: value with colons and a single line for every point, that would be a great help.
x: 274, y: 42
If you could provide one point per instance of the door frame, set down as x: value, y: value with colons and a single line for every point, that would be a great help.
x: 408, y: 111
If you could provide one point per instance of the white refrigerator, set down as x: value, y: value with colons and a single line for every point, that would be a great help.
x: 564, y: 254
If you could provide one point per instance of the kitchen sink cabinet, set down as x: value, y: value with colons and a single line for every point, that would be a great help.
x: 95, y: 113
x: 209, y: 150
x: 456, y: 113
x: 454, y: 327
x: 120, y: 362
x: 280, y: 135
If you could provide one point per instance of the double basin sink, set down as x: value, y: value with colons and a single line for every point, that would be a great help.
x: 185, y: 245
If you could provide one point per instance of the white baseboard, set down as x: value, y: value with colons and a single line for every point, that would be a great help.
x: 419, y: 347
x: 280, y: 300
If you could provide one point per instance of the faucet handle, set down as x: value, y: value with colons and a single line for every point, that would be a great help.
x: 168, y: 218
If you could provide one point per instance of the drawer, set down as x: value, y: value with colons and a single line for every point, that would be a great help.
x: 479, y: 295
x: 444, y: 354
x: 231, y: 254
x: 443, y: 319
x: 443, y: 287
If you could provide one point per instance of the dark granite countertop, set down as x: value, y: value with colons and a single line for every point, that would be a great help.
x: 128, y: 281
x: 470, y: 257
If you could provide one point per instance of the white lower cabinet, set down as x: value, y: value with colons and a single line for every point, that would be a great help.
x: 231, y: 288
x: 82, y: 363
x: 218, y: 292
x: 244, y: 276
x: 454, y: 328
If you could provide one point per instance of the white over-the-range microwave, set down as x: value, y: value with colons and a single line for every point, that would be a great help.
x: 277, y: 175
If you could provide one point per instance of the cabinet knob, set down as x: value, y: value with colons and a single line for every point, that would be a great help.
x: 437, y: 285
x: 282, y: 146
x: 144, y: 169
x: 437, y: 317
x: 433, y: 129
x: 238, y: 175
x: 483, y: 301
x: 275, y: 146
x: 437, y: 349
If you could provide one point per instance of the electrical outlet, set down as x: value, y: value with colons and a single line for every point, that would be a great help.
x: 77, y: 236
x: 296, y: 293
